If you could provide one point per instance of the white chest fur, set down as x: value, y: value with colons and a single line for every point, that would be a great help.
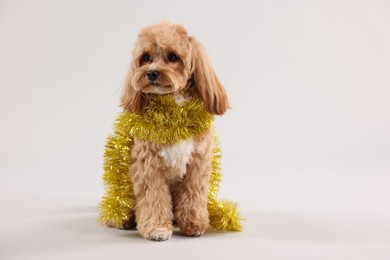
x: 178, y: 155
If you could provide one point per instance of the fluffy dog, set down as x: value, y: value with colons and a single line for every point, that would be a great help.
x: 171, y: 182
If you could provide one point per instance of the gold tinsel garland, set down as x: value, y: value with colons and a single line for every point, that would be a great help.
x: 162, y: 122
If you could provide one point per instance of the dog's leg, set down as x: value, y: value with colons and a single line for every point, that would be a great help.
x: 154, y: 206
x: 153, y: 201
x: 191, y: 196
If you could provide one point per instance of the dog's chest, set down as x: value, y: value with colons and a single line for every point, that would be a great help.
x: 178, y: 155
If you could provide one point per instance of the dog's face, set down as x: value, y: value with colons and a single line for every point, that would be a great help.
x: 166, y: 60
x: 162, y: 60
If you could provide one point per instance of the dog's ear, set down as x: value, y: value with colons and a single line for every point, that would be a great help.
x: 132, y: 100
x: 206, y: 81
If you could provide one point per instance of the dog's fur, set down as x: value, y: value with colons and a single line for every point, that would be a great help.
x: 171, y: 182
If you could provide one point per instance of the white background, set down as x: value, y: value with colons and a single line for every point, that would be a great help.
x: 306, y: 144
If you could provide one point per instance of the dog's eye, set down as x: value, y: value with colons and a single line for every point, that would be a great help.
x: 172, y: 57
x: 146, y: 57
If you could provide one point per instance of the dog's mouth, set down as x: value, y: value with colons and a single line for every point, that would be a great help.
x: 157, y: 88
x: 156, y: 84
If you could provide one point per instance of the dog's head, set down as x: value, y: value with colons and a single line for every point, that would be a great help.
x: 166, y: 60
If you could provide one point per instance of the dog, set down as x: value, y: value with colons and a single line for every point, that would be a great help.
x: 171, y: 181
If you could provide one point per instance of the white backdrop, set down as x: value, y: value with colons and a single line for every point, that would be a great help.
x: 306, y: 144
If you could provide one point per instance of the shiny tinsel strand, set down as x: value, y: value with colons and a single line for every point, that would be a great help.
x: 224, y: 216
x: 162, y: 122
x: 118, y: 202
x: 165, y: 122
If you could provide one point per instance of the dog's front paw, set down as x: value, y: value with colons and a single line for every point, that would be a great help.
x: 193, y: 230
x: 159, y: 234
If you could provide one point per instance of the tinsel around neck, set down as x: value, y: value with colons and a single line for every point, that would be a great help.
x: 164, y: 121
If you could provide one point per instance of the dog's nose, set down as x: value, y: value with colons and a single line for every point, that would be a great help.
x: 152, y: 75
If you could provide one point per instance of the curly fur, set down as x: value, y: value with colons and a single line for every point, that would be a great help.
x: 171, y: 182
